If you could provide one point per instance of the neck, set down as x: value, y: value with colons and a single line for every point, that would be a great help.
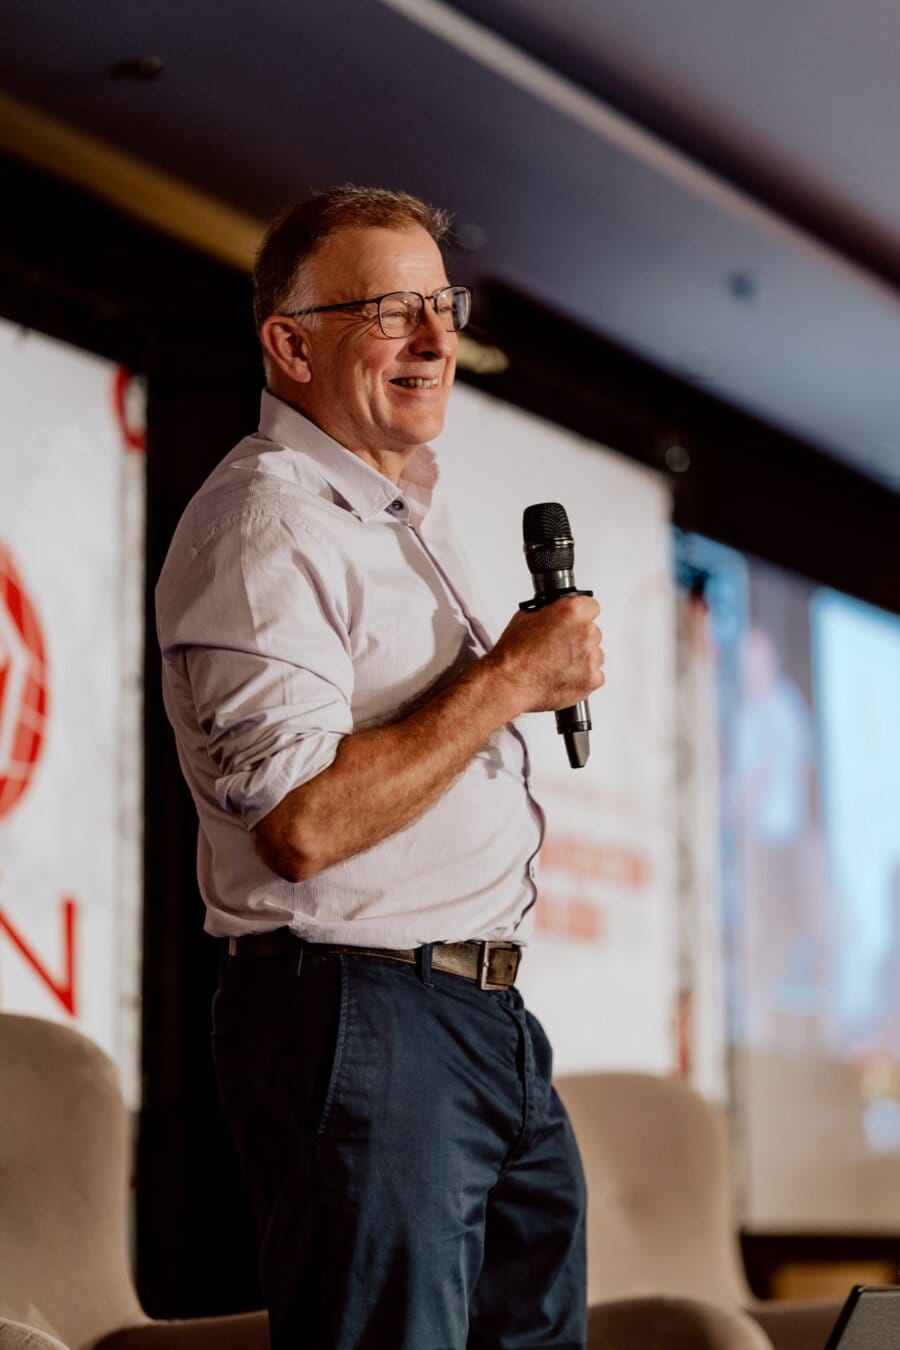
x: 389, y: 463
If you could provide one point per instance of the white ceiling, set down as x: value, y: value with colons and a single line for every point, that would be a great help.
x: 712, y: 184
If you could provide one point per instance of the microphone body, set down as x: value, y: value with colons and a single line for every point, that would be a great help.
x: 550, y: 555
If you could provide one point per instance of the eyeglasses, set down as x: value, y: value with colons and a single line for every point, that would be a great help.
x: 400, y: 312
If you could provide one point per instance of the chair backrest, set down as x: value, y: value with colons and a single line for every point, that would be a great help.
x: 659, y: 1207
x: 64, y: 1168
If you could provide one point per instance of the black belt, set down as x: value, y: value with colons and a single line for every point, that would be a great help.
x: 492, y: 965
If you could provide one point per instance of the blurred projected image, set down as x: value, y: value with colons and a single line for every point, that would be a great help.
x: 857, y: 662
x: 780, y: 852
x: 809, y: 692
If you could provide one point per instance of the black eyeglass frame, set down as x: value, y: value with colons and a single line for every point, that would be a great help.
x: 378, y: 299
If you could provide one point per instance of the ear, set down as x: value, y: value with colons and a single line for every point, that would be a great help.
x: 286, y: 344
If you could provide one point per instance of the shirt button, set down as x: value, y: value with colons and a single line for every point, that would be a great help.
x: 397, y: 505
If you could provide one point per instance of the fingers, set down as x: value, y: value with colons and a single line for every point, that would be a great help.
x: 585, y: 606
x: 553, y: 655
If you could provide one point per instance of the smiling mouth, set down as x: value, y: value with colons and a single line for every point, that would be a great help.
x: 404, y: 382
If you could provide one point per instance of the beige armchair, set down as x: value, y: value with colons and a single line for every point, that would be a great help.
x: 17, y: 1336
x: 633, y: 1324
x: 65, y: 1271
x: 662, y: 1323
x: 659, y: 1208
x: 64, y: 1159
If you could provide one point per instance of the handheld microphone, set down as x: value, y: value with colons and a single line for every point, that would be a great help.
x: 550, y: 555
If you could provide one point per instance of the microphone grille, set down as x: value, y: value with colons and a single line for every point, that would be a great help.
x: 547, y: 536
x: 545, y: 520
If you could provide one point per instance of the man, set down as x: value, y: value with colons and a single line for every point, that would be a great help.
x: 367, y: 834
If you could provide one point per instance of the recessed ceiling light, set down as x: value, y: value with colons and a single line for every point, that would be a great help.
x: 677, y: 458
x: 138, y: 69
x: 469, y: 237
x: 744, y: 284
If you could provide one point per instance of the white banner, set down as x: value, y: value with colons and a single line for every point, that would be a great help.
x: 71, y: 623
x: 601, y: 972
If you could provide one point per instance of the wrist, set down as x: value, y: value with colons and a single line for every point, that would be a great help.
x: 498, y: 687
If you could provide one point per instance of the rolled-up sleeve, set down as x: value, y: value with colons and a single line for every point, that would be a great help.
x: 262, y: 642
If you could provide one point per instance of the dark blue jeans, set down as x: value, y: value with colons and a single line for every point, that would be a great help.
x: 414, y: 1177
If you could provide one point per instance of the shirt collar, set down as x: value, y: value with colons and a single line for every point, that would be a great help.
x: 366, y: 491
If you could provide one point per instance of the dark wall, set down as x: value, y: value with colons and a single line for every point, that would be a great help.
x: 74, y: 268
x: 195, y: 1244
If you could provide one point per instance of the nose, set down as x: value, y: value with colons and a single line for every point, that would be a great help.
x: 431, y: 337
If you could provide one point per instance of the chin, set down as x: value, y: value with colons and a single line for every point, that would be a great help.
x: 426, y: 428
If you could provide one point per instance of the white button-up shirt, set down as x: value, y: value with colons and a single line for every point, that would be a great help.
x: 305, y: 597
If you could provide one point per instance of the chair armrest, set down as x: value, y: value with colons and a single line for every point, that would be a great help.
x: 663, y: 1323
x: 18, y: 1336
x: 241, y: 1331
x: 797, y: 1324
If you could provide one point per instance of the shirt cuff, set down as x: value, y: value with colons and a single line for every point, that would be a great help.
x: 252, y: 793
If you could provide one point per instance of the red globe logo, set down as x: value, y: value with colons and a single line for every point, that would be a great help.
x: 23, y: 686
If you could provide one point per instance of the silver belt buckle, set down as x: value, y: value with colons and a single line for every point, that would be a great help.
x: 484, y: 963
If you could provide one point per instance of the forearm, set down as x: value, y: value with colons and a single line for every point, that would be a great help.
x: 383, y: 779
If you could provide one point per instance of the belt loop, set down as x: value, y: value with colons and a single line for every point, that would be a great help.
x: 423, y: 964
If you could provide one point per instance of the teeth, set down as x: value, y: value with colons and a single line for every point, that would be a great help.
x: 416, y: 383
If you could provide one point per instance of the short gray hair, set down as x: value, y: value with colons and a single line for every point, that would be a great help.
x: 296, y: 234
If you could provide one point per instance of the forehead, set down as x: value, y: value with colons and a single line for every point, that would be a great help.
x: 370, y: 260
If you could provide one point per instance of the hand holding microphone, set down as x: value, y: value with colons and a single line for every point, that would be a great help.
x: 551, y: 649
x: 550, y: 555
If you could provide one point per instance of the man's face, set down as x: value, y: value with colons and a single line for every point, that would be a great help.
x: 360, y: 388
